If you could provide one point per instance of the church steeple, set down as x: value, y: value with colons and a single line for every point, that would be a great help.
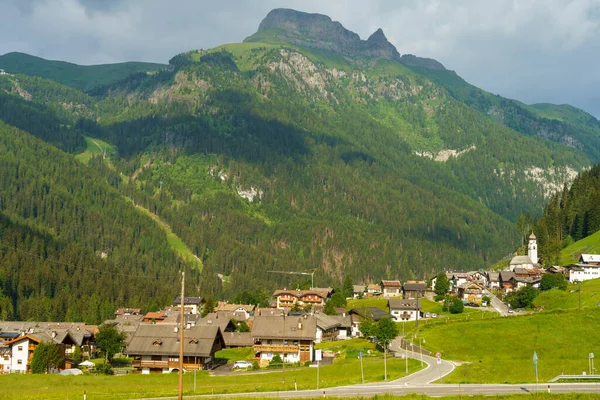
x: 532, y: 248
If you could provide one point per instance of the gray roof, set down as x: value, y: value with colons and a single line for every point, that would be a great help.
x: 296, y: 328
x: 415, y: 286
x: 160, y: 339
x: 493, y: 276
x: 188, y: 300
x: 238, y: 339
x: 520, y: 260
x: 506, y: 275
x: 326, y: 322
x: 371, y: 312
x: 358, y: 288
x: 216, y: 319
x: 404, y: 304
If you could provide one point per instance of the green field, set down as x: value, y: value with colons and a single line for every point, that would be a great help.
x: 95, y: 147
x: 500, y: 350
x: 342, y: 372
x: 587, y: 245
x: 571, y: 298
x: 236, y: 353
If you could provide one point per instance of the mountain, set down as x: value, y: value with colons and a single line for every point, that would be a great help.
x: 320, y: 32
x: 570, y: 222
x: 82, y: 77
x: 303, y: 148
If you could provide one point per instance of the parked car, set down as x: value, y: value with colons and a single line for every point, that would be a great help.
x: 242, y: 365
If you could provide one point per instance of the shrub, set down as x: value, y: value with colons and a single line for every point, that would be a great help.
x: 103, y: 368
x: 439, y: 297
x: 255, y: 365
x: 454, y: 305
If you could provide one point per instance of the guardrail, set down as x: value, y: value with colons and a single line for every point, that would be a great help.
x: 575, y: 377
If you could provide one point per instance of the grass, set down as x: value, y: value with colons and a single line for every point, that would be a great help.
x: 569, y: 299
x: 500, y: 350
x: 174, y: 241
x: 94, y: 147
x: 588, y: 245
x: 350, y: 348
x: 237, y: 353
x: 378, y: 302
x: 342, y: 372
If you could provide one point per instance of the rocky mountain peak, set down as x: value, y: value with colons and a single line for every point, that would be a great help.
x: 320, y: 31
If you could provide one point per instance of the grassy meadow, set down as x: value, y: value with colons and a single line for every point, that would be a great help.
x: 342, y: 372
x: 588, y: 245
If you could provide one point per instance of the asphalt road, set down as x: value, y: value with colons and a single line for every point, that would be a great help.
x: 419, y: 383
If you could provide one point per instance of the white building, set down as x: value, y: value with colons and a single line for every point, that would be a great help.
x: 404, y: 310
x: 584, y: 272
x: 532, y: 249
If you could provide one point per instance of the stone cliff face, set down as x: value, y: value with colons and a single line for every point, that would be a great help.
x: 319, y: 31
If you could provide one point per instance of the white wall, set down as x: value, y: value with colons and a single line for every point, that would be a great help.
x: 20, y: 355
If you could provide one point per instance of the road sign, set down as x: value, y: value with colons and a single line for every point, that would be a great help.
x: 591, y: 356
x: 535, y: 358
x: 318, y: 355
x: 360, y: 354
x: 438, y: 355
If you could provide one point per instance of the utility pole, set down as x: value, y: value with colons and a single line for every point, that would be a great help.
x: 283, y: 355
x: 181, y: 327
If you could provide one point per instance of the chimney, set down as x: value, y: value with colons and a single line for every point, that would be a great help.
x: 188, y: 326
x: 175, y: 329
x: 299, y: 323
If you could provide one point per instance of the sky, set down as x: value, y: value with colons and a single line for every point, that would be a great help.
x: 529, y: 50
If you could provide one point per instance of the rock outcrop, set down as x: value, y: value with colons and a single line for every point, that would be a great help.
x: 319, y: 31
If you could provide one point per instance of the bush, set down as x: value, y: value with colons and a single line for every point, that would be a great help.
x: 255, y: 366
x: 105, y: 369
x: 454, y: 305
x: 276, y: 361
x: 439, y: 297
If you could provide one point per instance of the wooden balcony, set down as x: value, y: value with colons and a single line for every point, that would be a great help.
x: 273, y: 348
x: 163, y: 364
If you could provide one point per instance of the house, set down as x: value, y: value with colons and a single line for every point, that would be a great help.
x: 470, y: 292
x: 129, y: 314
x: 301, y: 298
x: 493, y: 280
x: 22, y: 349
x: 373, y: 289
x: 449, y: 275
x: 155, y: 347
x: 241, y: 311
x: 291, y: 337
x: 332, y: 327
x: 155, y: 317
x: 583, y: 272
x: 414, y: 289
x: 8, y: 336
x: 529, y: 261
x: 590, y: 259
x: 238, y: 339
x: 196, y: 304
x: 507, y: 281
x: 404, y: 310
x: 269, y: 311
x: 215, y: 319
x: 357, y: 315
x: 391, y: 288
x: 358, y: 291
x: 5, y: 359
x: 458, y: 278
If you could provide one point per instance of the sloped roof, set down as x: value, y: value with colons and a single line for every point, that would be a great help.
x: 234, y: 307
x: 321, y: 292
x: 160, y: 339
x: 188, y: 300
x: 587, y: 258
x: 238, y: 339
x: 520, y: 260
x: 404, y: 304
x: 358, y: 288
x: 411, y: 286
x: 391, y: 283
x: 371, y: 312
x: 214, y: 319
x: 506, y: 275
x: 493, y: 276
x: 272, y: 327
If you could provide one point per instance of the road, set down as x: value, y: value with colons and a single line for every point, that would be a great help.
x: 497, y: 304
x: 419, y: 383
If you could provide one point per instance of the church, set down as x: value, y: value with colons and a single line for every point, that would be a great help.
x: 529, y: 261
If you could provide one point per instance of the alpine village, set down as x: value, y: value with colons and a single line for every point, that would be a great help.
x: 300, y: 213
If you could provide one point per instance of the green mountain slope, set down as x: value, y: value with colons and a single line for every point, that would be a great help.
x: 571, y: 220
x: 71, y: 247
x: 291, y: 152
x: 83, y: 77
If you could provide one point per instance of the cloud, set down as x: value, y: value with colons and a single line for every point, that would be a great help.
x: 532, y: 50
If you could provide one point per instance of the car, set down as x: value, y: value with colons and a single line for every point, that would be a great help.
x: 510, y: 311
x: 433, y: 315
x: 242, y: 365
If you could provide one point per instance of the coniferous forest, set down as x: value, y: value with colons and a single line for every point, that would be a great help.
x: 265, y: 156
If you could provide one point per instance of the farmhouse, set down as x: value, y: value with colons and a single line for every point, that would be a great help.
x: 584, y: 272
x: 470, y: 292
x: 155, y: 347
x: 290, y: 337
x: 195, y: 304
x: 391, y: 288
x: 404, y: 310
x: 414, y: 290
x: 332, y: 327
x: 301, y: 298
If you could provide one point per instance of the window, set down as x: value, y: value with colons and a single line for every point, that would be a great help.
x: 20, y: 348
x: 19, y: 361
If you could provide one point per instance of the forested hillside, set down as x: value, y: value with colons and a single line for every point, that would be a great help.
x: 71, y: 247
x: 270, y: 155
x: 569, y: 216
